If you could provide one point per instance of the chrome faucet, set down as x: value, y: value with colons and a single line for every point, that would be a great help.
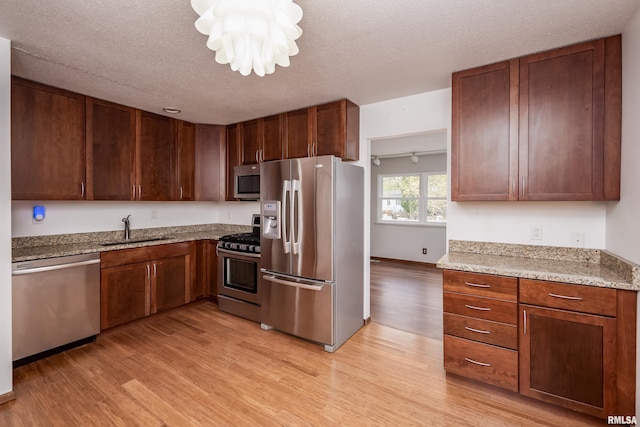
x: 127, y: 227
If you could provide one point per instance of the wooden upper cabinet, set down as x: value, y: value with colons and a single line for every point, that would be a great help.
x: 297, y: 134
x: 250, y: 146
x: 233, y: 156
x: 338, y: 130
x: 271, y: 138
x: 557, y: 112
x: 484, y: 160
x: 110, y: 150
x: 210, y: 158
x: 156, y: 159
x: 562, y: 123
x: 186, y: 160
x: 261, y: 140
x: 47, y: 142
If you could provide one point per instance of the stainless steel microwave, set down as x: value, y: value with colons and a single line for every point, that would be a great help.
x: 246, y: 182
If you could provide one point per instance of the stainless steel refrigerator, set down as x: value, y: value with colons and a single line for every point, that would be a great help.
x: 311, y: 247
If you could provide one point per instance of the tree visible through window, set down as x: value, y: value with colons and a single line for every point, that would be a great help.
x: 418, y: 198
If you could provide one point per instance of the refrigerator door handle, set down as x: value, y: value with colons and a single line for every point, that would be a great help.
x: 297, y: 225
x: 274, y: 279
x: 286, y: 238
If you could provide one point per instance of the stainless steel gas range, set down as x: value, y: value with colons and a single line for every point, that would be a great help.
x: 239, y: 267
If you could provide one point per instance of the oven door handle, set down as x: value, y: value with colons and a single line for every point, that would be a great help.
x: 236, y: 254
x: 272, y: 278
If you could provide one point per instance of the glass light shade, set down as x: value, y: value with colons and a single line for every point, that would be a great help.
x: 250, y: 34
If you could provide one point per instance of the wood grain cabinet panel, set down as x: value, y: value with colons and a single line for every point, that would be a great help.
x: 484, y: 163
x: 298, y: 139
x: 500, y: 334
x: 200, y: 288
x: 124, y: 294
x: 541, y: 127
x: 137, y: 282
x: 250, y: 147
x: 271, y: 138
x: 585, y: 299
x: 211, y: 163
x: 337, y: 130
x: 110, y: 150
x: 569, y: 359
x: 484, y: 285
x: 171, y: 283
x: 481, y: 308
x: 47, y: 143
x: 482, y: 362
x: 186, y: 161
x: 156, y: 159
x: 214, y: 270
x: 233, y: 133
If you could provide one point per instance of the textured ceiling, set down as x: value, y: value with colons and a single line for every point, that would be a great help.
x: 148, y: 54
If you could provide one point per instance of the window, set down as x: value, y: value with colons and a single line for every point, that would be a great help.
x: 412, y: 198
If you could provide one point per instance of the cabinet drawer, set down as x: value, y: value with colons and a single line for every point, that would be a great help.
x: 481, y: 308
x: 485, y: 285
x: 585, y: 299
x: 482, y: 362
x: 486, y: 331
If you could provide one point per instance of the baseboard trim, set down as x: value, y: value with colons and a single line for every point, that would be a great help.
x: 425, y: 264
x: 7, y: 397
x: 367, y: 320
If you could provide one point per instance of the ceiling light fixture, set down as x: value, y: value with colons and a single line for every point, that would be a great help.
x: 171, y: 110
x: 414, y: 158
x: 376, y: 161
x: 250, y: 34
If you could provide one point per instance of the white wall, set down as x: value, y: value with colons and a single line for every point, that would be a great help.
x: 402, y: 116
x: 622, y: 227
x: 511, y: 222
x: 80, y: 216
x: 405, y: 241
x: 6, y: 371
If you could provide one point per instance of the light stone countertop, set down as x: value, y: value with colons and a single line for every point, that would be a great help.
x: 590, y: 267
x: 40, y: 247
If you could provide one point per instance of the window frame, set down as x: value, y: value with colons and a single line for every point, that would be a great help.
x: 423, y: 199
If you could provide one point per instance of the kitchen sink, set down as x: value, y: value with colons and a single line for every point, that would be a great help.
x: 132, y: 241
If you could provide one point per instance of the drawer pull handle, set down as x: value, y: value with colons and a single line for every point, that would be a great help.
x: 477, y: 285
x: 473, y: 307
x: 479, y: 331
x: 477, y: 363
x: 565, y: 297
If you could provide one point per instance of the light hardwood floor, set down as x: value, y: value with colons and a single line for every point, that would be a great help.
x: 197, y: 366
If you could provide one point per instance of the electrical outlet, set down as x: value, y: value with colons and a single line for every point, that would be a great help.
x: 577, y: 240
x: 536, y: 232
x: 424, y: 251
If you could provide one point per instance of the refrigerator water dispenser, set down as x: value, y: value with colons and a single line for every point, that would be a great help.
x: 271, y: 219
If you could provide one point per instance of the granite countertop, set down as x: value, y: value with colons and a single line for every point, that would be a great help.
x: 40, y: 247
x: 590, y: 267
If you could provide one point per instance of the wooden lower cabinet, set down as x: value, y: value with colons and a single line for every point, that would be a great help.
x: 214, y: 271
x: 124, y: 294
x: 568, y: 358
x: 170, y: 285
x: 566, y: 344
x: 135, y: 283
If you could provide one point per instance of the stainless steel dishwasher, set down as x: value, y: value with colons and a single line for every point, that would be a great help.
x: 55, y: 302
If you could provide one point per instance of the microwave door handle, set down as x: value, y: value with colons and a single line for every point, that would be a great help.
x: 286, y: 238
x: 297, y: 229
